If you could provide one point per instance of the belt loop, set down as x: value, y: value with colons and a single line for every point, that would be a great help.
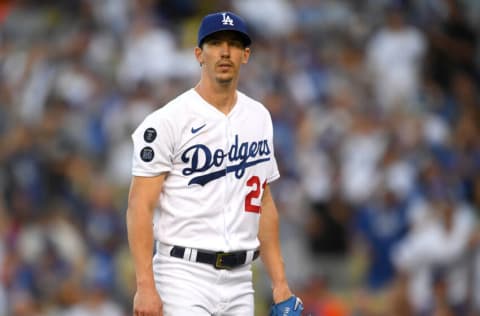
x: 249, y: 256
x: 187, y: 254
x: 193, y: 255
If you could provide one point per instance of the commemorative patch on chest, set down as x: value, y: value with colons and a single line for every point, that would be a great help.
x: 147, y: 154
x: 150, y: 135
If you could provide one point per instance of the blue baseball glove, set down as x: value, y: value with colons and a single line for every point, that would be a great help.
x: 290, y: 307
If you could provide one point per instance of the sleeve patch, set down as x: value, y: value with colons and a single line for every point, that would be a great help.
x: 147, y: 154
x: 150, y: 135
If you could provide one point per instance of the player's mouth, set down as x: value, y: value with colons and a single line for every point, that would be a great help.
x: 225, y: 66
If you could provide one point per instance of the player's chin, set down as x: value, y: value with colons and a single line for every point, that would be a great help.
x: 224, y: 79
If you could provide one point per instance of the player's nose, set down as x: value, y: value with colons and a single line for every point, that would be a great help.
x: 225, y: 49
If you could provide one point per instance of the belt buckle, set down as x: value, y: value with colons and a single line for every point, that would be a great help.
x: 219, y: 260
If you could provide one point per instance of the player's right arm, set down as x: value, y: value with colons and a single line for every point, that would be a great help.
x: 142, y: 199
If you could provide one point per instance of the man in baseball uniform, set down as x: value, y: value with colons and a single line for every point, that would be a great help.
x: 202, y: 165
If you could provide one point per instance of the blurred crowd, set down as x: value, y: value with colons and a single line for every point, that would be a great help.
x: 376, y: 112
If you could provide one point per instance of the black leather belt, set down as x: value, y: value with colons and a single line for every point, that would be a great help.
x: 220, y: 260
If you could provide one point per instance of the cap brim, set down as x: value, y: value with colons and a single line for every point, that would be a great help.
x: 245, y: 38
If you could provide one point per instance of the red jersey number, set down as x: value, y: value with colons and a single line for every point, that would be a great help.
x: 254, y: 183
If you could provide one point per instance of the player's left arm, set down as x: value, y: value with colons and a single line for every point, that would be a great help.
x: 270, y: 251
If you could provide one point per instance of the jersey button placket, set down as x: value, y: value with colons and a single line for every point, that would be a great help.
x: 227, y: 180
x: 231, y: 175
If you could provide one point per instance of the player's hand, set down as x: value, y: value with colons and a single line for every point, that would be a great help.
x: 147, y: 302
x: 281, y: 293
x: 292, y: 306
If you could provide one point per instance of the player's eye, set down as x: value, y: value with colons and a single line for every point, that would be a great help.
x: 235, y: 43
x: 214, y: 42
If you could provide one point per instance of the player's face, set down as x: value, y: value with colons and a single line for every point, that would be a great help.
x: 221, y: 56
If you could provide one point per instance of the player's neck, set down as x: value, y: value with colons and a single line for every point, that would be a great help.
x: 221, y: 97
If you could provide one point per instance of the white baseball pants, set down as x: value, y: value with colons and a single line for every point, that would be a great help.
x: 197, y: 289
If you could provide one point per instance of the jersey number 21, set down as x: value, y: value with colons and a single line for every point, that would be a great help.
x: 254, y: 183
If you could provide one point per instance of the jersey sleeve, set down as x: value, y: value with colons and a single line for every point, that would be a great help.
x: 273, y: 173
x: 153, y: 147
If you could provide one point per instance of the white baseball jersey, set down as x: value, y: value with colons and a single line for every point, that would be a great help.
x: 217, y: 167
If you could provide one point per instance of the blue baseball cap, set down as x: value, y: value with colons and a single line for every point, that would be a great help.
x: 223, y: 21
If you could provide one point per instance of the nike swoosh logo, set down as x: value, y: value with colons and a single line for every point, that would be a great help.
x: 194, y: 130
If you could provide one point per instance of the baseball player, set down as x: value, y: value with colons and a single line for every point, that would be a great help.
x: 202, y: 165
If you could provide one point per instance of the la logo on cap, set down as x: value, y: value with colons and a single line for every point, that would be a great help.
x: 226, y: 19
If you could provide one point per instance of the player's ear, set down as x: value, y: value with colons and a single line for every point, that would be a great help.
x: 199, y: 55
x: 246, y: 55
